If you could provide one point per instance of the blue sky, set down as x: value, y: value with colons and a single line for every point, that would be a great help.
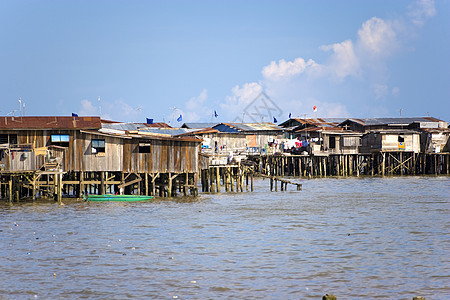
x: 160, y: 59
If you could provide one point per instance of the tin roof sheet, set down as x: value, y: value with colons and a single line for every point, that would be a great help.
x: 198, y: 125
x: 391, y: 121
x: 253, y: 126
x: 50, y: 122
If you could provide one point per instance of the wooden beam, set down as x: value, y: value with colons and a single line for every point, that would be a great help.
x: 130, y: 182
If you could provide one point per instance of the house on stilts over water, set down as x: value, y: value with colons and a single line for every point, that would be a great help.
x: 72, y: 156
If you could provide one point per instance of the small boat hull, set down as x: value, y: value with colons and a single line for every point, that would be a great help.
x: 121, y: 198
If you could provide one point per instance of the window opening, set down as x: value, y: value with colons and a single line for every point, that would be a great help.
x: 332, y: 142
x: 144, y: 148
x: 60, y: 140
x: 98, y: 146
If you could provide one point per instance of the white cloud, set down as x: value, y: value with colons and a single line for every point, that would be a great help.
x: 118, y: 110
x: 197, y: 102
x: 88, y: 109
x: 196, y: 109
x: 235, y: 104
x: 395, y: 91
x: 420, y: 11
x: 377, y: 37
x: 380, y: 90
x: 284, y: 69
x: 360, y: 65
x: 343, y: 61
x: 121, y: 111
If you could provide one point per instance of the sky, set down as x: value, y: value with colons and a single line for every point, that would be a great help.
x: 225, y: 61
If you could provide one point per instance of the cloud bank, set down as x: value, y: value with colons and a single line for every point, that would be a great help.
x: 359, y: 65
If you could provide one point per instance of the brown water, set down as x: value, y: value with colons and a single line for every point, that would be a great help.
x: 370, y: 238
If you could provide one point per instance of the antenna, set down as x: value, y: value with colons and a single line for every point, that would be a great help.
x: 20, y: 106
x: 173, y: 114
x: 138, y: 110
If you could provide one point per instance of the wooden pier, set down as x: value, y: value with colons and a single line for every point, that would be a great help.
x: 229, y: 178
x: 374, y: 164
x: 17, y: 185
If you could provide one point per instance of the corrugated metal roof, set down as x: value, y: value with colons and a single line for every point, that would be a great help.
x: 252, y: 126
x: 47, y: 122
x: 123, y: 126
x: 170, y: 131
x: 133, y: 126
x: 157, y: 125
x: 318, y: 122
x: 198, y: 125
x: 199, y: 131
x: 392, y: 121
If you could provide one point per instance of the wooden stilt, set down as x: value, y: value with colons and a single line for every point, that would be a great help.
x: 217, y: 180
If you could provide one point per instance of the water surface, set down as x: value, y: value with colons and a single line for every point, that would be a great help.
x: 358, y: 238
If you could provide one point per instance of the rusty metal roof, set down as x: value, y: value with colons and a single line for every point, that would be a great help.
x: 158, y: 125
x: 47, y: 122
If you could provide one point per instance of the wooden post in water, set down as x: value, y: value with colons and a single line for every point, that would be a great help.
x: 300, y: 167
x: 217, y: 179
x: 242, y: 178
x: 448, y: 164
x: 102, y: 183
x: 338, y: 165
x: 231, y: 179
x: 59, y: 176
x: 246, y: 174
x: 251, y: 182
x: 226, y: 174
x: 146, y: 183
x: 169, y: 188
x: 212, y: 188
x: 401, y: 163
x: 10, y: 183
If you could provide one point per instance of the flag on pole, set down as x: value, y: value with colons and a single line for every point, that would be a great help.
x: 314, y: 108
x: 74, y: 115
x: 180, y: 118
x: 215, y: 114
x: 290, y: 115
x: 275, y: 120
x: 149, y: 121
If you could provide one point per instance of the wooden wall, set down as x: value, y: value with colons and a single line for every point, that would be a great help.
x: 165, y: 156
x: 121, y: 153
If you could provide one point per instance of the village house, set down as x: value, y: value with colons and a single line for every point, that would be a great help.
x: 422, y: 134
x: 96, y: 156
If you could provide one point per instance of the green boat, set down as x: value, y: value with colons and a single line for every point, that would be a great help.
x: 123, y: 198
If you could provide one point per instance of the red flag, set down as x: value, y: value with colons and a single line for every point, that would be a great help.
x: 314, y: 108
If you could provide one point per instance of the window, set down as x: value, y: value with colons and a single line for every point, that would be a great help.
x: 144, y: 148
x: 401, y: 139
x: 332, y: 142
x: 60, y: 140
x: 98, y: 146
x: 351, y: 141
x: 8, y: 139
